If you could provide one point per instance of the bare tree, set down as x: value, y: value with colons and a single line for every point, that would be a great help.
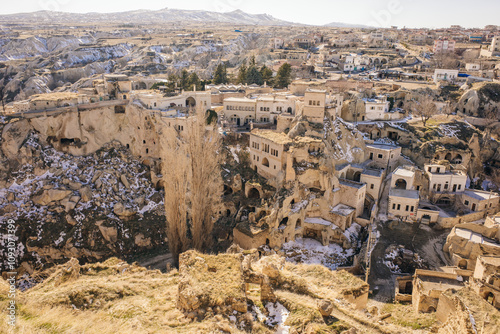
x: 446, y: 60
x: 193, y: 184
x: 175, y: 177
x: 206, y: 186
x: 424, y: 107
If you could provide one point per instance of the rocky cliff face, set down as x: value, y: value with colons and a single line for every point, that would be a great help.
x: 88, y: 207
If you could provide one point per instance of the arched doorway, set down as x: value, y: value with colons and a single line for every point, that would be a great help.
x: 298, y: 224
x: 401, y: 184
x: 190, y: 102
x: 444, y: 201
x: 253, y: 193
x: 265, y: 162
x: 289, y: 110
x: 283, y: 223
x: 227, y: 190
x: 235, y: 119
x: 490, y: 298
x: 458, y: 159
x: 357, y: 177
x: 448, y: 157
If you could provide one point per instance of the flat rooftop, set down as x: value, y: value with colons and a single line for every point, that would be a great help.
x: 385, y: 147
x: 475, y: 237
x: 276, y: 137
x: 400, y: 171
x: 343, y: 210
x: 352, y: 184
x: 412, y: 194
x: 480, y: 195
x: 239, y: 99
x: 55, y: 96
x: 317, y: 220
x: 373, y: 172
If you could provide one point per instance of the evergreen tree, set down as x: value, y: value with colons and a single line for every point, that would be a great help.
x: 284, y: 76
x: 242, y: 74
x: 194, y: 81
x: 184, y: 79
x: 220, y: 75
x: 267, y: 74
x: 254, y: 76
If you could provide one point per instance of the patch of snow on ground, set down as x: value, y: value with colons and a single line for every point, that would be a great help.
x: 311, y: 251
x: 277, y: 317
x: 234, y: 151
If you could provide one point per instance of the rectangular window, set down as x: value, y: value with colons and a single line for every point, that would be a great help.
x: 394, y: 206
x: 372, y: 186
x: 412, y: 208
x: 438, y: 169
x: 434, y: 187
x: 380, y: 156
x: 466, y: 202
x: 459, y: 186
x: 429, y: 169
x: 399, y: 206
x: 407, y: 208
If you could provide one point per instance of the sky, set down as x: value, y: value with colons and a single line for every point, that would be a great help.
x: 377, y: 13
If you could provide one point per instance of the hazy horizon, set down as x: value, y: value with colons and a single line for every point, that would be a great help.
x: 401, y: 13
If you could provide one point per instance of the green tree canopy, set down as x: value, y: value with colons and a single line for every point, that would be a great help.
x: 220, y: 75
x: 267, y: 74
x: 194, y: 81
x: 284, y: 76
x: 242, y: 74
x: 184, y: 79
x: 254, y: 76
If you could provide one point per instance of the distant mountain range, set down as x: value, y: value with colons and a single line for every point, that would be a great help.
x: 157, y: 16
x: 147, y: 16
x: 346, y: 25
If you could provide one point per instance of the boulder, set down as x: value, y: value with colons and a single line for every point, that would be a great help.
x: 68, y: 205
x: 124, y: 180
x: 74, y: 185
x: 70, y: 220
x: 86, y: 194
x: 141, y: 241
x: 109, y: 233
x: 122, y: 212
x: 50, y: 196
x: 11, y: 197
x: 325, y: 307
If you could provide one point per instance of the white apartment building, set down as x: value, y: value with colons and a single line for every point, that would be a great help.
x: 445, y: 75
x: 444, y: 45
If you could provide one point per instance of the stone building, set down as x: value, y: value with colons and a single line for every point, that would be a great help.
x: 428, y: 287
x: 403, y: 197
x: 487, y: 279
x: 268, y: 152
x: 314, y: 105
x: 445, y: 181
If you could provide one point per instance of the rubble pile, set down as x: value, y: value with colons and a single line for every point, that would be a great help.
x: 89, y: 206
x: 402, y: 260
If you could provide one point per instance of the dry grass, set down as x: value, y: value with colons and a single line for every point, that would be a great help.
x: 405, y: 315
x: 215, y: 279
x: 107, y: 298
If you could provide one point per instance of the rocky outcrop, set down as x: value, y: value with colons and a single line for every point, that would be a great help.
x: 50, y: 196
